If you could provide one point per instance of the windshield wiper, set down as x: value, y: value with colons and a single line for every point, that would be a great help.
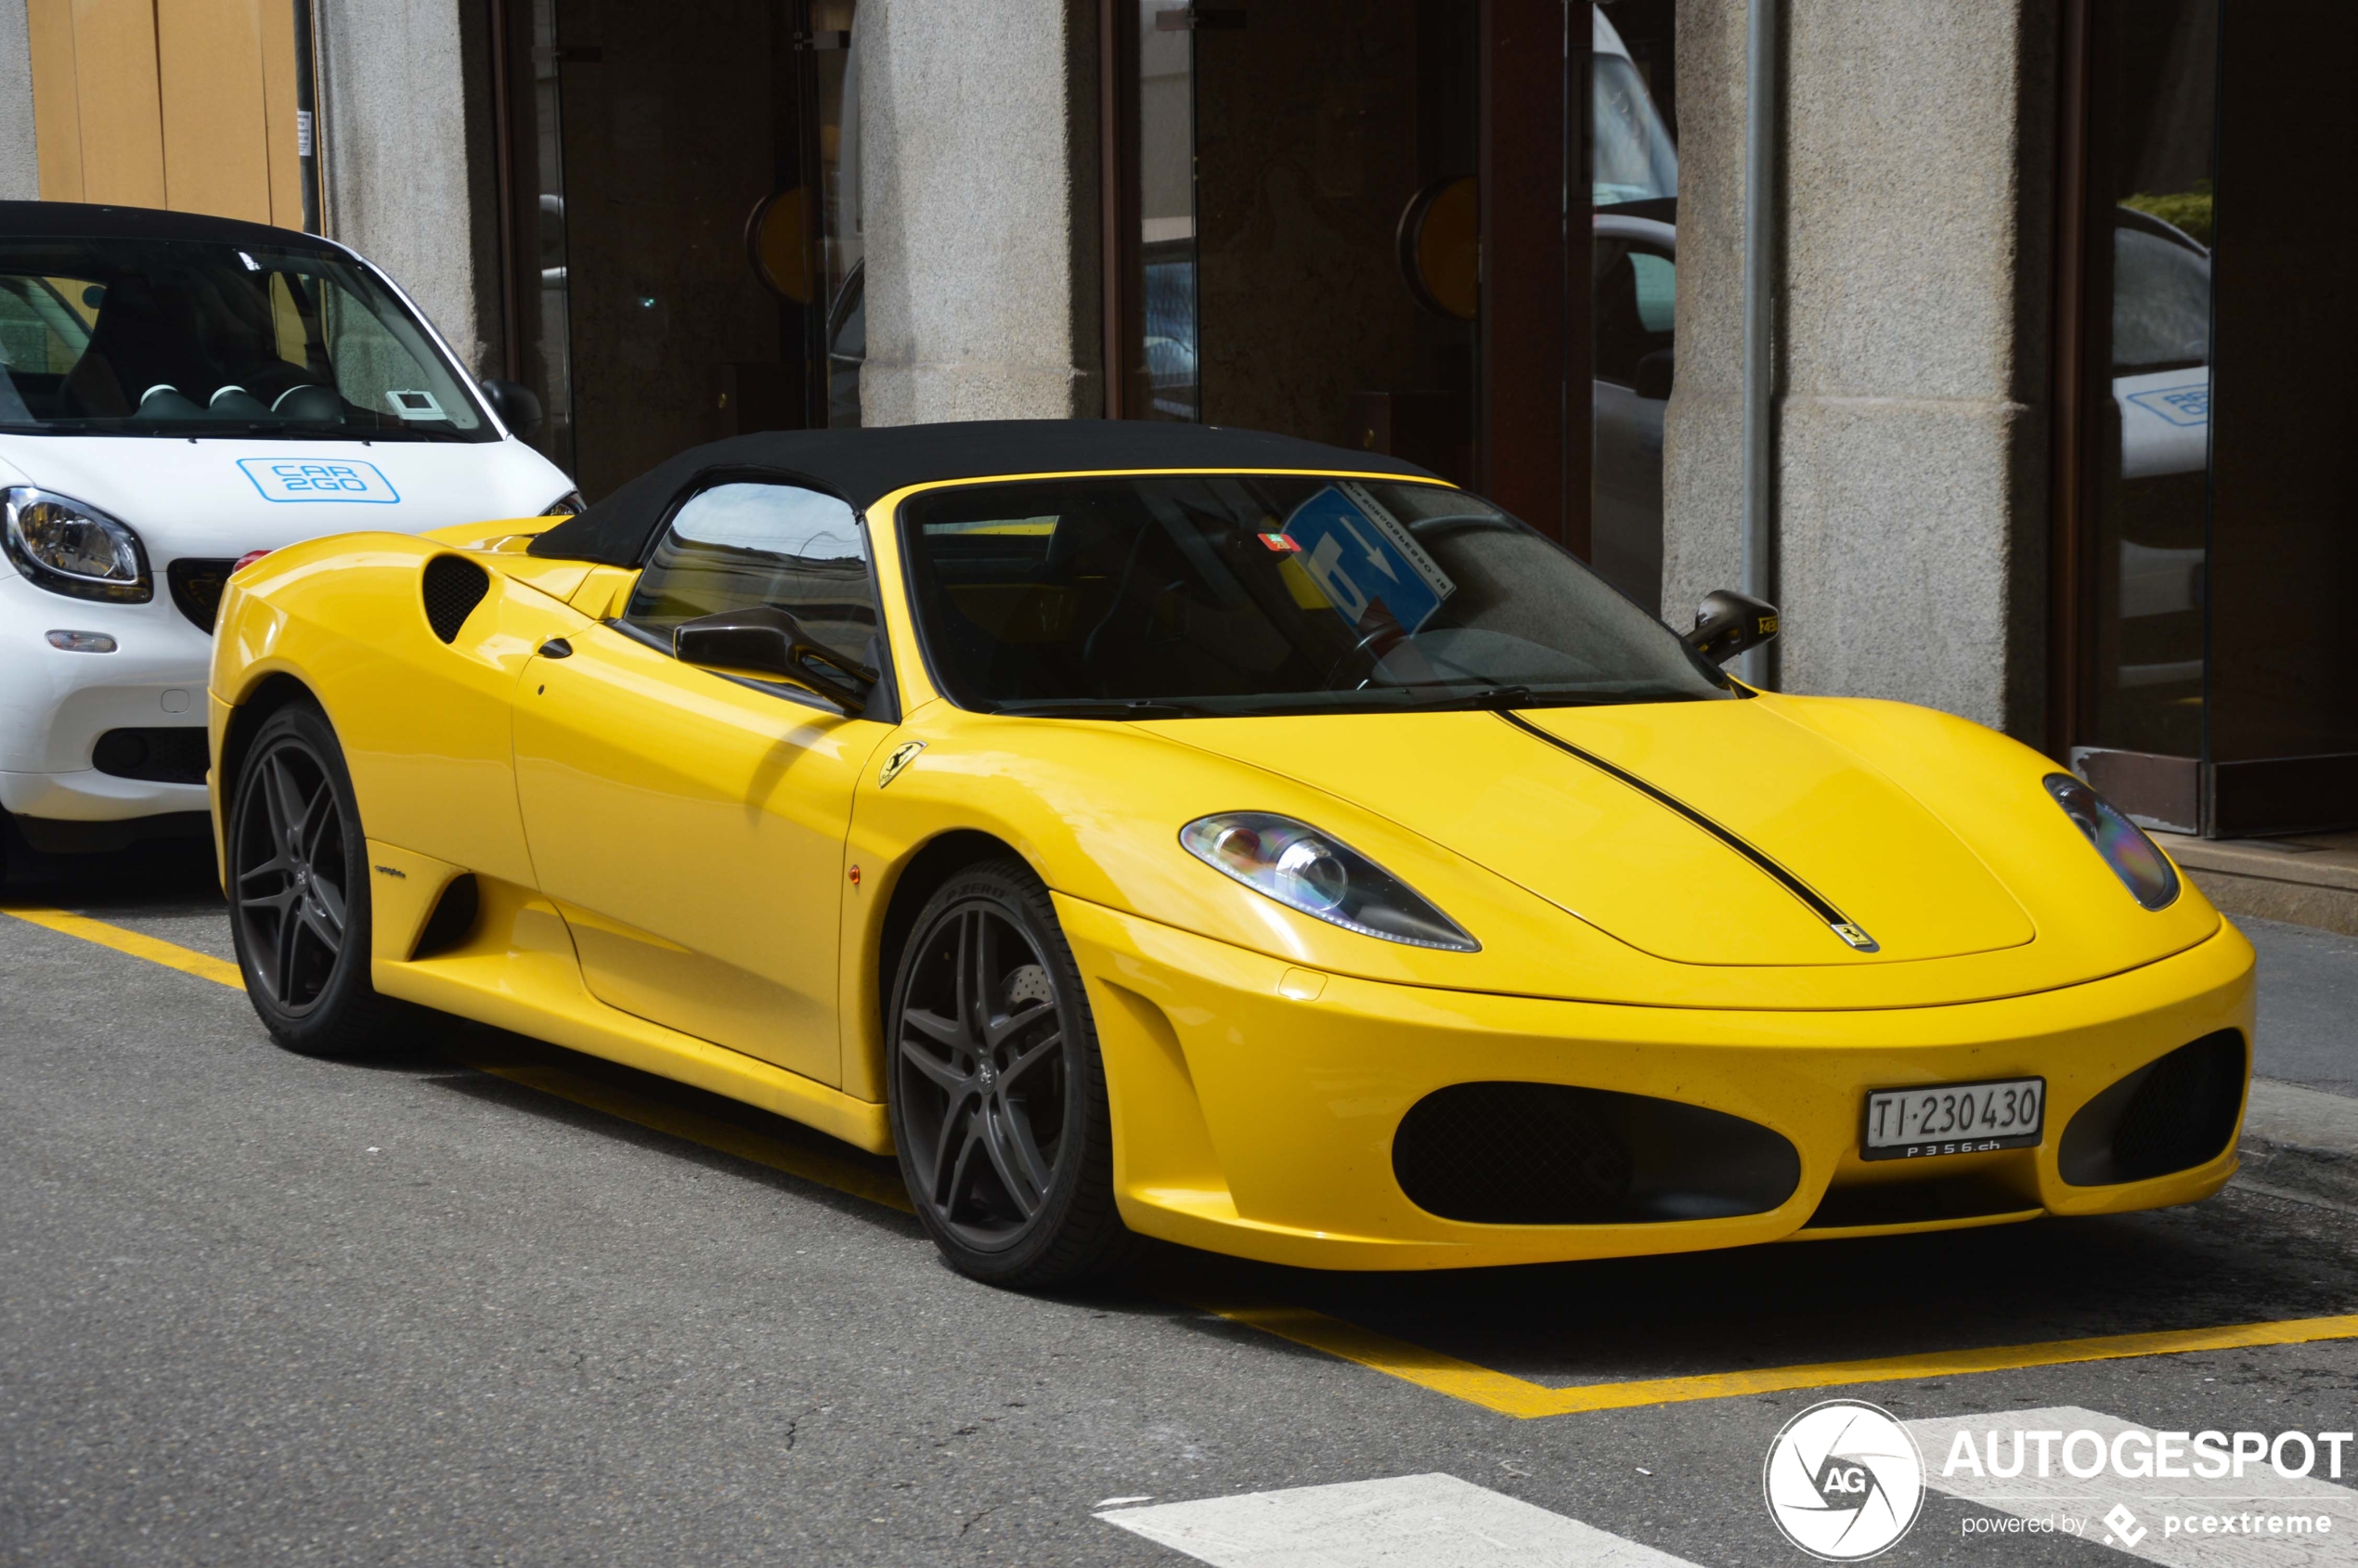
x: 1082, y: 708
x: 1492, y: 698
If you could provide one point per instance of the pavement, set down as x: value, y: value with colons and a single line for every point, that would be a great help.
x: 490, y: 1303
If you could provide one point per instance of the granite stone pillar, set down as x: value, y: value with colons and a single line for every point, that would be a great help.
x: 978, y: 174
x: 1912, y: 356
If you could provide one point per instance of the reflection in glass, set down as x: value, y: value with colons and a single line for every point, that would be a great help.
x: 2148, y: 442
x: 842, y: 242
x: 1167, y: 208
x: 1634, y: 158
x: 552, y: 346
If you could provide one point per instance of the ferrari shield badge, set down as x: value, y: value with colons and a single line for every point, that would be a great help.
x: 902, y: 755
x: 1858, y: 939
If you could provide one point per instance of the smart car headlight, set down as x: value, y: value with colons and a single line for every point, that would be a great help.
x: 1321, y: 876
x: 69, y: 547
x: 2134, y: 858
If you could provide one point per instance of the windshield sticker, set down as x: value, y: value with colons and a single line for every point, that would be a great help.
x: 305, y: 479
x: 417, y: 405
x: 1359, y: 554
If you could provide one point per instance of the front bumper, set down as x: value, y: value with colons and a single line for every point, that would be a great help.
x: 1254, y: 1104
x: 54, y: 706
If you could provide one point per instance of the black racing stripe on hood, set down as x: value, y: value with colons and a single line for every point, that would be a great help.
x: 1818, y: 903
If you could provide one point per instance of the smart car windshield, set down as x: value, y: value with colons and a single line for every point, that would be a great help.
x: 181, y: 337
x: 1253, y: 593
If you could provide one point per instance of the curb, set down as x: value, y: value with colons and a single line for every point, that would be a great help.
x: 2300, y: 1144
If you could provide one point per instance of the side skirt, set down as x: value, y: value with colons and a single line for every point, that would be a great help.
x: 518, y: 972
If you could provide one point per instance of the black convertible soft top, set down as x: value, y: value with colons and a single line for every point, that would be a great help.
x: 863, y: 466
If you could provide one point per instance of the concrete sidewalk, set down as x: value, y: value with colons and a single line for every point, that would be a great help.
x: 2300, y: 1127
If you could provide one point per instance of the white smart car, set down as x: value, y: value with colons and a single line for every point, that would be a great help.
x: 178, y: 393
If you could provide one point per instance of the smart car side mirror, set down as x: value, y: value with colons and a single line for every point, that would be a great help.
x: 515, y: 405
x: 1728, y: 623
x: 767, y: 640
x: 1654, y: 375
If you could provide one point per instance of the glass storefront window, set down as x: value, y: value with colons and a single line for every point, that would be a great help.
x: 1632, y: 156
x: 2146, y: 393
x: 1167, y: 209
x: 842, y: 250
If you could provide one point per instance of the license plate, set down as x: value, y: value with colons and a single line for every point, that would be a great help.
x: 1954, y: 1119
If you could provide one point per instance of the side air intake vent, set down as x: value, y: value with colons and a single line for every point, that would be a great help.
x: 453, y: 587
x: 1543, y: 1154
x: 2169, y: 1115
x: 453, y: 920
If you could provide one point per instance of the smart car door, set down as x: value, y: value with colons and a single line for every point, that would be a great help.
x: 690, y: 824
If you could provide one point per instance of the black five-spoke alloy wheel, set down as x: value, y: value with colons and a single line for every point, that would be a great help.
x: 299, y: 892
x: 998, y: 1095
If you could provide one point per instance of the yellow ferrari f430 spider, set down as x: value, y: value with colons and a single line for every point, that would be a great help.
x: 1194, y: 834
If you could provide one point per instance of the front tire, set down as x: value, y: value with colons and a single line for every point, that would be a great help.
x: 298, y: 884
x: 998, y: 1092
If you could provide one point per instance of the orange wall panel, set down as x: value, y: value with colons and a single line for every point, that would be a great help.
x: 118, y: 107
x: 278, y: 110
x: 56, y: 98
x: 215, y: 133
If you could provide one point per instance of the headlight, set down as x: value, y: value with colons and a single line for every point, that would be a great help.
x: 69, y: 547
x: 1304, y: 870
x: 2134, y: 858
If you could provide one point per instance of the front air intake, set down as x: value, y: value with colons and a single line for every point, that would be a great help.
x: 452, y: 587
x: 1547, y: 1154
x: 2171, y: 1114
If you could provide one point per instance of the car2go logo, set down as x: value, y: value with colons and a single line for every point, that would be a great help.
x: 305, y: 479
x: 1844, y: 1481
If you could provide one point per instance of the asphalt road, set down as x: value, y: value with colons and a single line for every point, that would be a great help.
x: 255, y: 1308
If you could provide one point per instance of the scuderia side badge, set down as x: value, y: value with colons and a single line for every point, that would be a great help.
x: 897, y: 763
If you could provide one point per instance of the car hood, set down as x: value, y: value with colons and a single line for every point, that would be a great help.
x: 1731, y: 839
x: 213, y: 497
x: 1667, y: 826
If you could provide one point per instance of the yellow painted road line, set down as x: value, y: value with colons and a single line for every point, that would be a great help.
x: 810, y: 1165
x: 1519, y: 1397
x: 1501, y: 1391
x: 170, y: 954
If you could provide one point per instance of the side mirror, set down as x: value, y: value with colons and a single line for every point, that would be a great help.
x: 1654, y: 373
x: 1728, y: 623
x: 767, y: 640
x: 515, y: 405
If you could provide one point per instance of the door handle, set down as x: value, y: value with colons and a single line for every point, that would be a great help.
x: 556, y: 648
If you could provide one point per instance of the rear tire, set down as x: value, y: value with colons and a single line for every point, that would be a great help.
x: 998, y: 1092
x: 297, y: 877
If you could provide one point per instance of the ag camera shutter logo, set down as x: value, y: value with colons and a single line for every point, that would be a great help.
x: 1844, y: 1481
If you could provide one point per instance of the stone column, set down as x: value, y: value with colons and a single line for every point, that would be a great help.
x: 404, y: 92
x: 20, y: 171
x: 1913, y: 360
x: 979, y: 174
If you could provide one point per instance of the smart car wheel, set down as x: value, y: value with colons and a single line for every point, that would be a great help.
x: 299, y: 890
x: 998, y: 1092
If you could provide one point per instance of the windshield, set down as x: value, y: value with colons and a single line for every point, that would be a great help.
x: 1253, y: 593
x: 180, y: 337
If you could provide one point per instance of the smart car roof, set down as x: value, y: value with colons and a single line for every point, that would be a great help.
x: 83, y: 220
x: 863, y: 466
